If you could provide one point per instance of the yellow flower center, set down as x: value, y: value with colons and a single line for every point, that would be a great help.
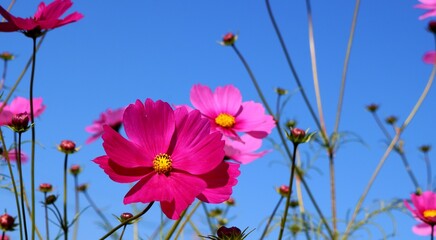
x: 430, y: 213
x: 162, y: 163
x: 225, y: 120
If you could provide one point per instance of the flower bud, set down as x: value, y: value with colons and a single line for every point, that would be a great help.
x: 283, y: 190
x: 229, y: 233
x: 229, y: 39
x: 7, y: 56
x: 7, y: 222
x: 20, y: 122
x: 125, y: 216
x: 281, y: 91
x: 298, y: 133
x: 50, y: 199
x: 45, y: 187
x: 82, y: 188
x: 75, y: 169
x: 391, y: 120
x: 432, y: 26
x: 291, y: 124
x: 372, y: 107
x: 425, y: 148
x: 67, y: 147
x: 230, y: 202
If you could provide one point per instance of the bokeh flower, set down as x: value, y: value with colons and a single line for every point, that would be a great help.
x: 113, y: 118
x: 13, y: 155
x: 171, y: 155
x: 47, y: 17
x: 18, y: 106
x: 429, y: 57
x: 228, y: 114
x: 424, y: 209
x: 244, y: 151
x: 430, y: 6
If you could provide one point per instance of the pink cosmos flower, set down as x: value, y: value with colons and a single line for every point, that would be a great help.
x: 427, y: 4
x: 244, y: 151
x: 429, y: 57
x: 228, y: 114
x: 425, y: 211
x: 20, y: 105
x: 171, y: 155
x: 46, y: 17
x: 112, y: 118
x: 12, y: 154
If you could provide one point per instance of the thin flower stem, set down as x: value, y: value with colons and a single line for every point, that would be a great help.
x: 253, y: 79
x: 187, y: 219
x: 76, y: 197
x: 315, y: 70
x: 14, y: 185
x: 291, y: 65
x: 300, y: 200
x: 209, y: 222
x: 333, y: 194
x: 122, y: 232
x: 5, y: 67
x: 47, y: 231
x: 283, y: 140
x: 388, y: 151
x: 398, y: 150
x: 345, y: 68
x: 273, y: 213
x: 174, y: 226
x: 97, y: 210
x: 20, y: 175
x: 65, y: 218
x: 432, y: 232
x: 429, y: 174
x: 129, y: 220
x: 194, y: 228
x: 288, y: 197
x: 20, y: 77
x: 32, y: 126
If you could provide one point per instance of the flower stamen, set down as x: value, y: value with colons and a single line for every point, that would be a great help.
x: 162, y: 164
x: 430, y: 213
x: 225, y: 120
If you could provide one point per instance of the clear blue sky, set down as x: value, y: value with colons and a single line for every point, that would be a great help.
x: 127, y: 50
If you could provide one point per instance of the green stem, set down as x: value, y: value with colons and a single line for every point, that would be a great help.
x: 122, y: 232
x: 46, y: 218
x: 129, y: 220
x: 345, y: 68
x: 20, y: 175
x: 388, y: 150
x: 14, y: 185
x: 211, y: 226
x: 291, y: 65
x: 428, y: 166
x: 288, y: 197
x: 265, y: 231
x: 175, y: 225
x: 65, y: 218
x: 187, y: 219
x: 97, y: 210
x: 76, y: 197
x: 32, y: 126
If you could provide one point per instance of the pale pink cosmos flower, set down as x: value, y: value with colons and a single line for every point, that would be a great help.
x: 20, y: 105
x: 171, y: 155
x: 244, y: 151
x: 429, y: 57
x: 13, y: 155
x: 424, y: 210
x: 430, y: 5
x: 112, y: 118
x: 46, y: 17
x: 228, y: 114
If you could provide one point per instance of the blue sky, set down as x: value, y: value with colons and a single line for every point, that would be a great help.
x: 124, y: 51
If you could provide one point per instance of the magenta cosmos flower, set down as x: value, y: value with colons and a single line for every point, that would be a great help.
x: 46, y: 17
x: 228, y: 114
x: 171, y: 155
x: 424, y: 210
x: 429, y: 57
x: 20, y: 105
x: 112, y: 118
x: 13, y: 154
x: 244, y: 151
x: 430, y: 5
